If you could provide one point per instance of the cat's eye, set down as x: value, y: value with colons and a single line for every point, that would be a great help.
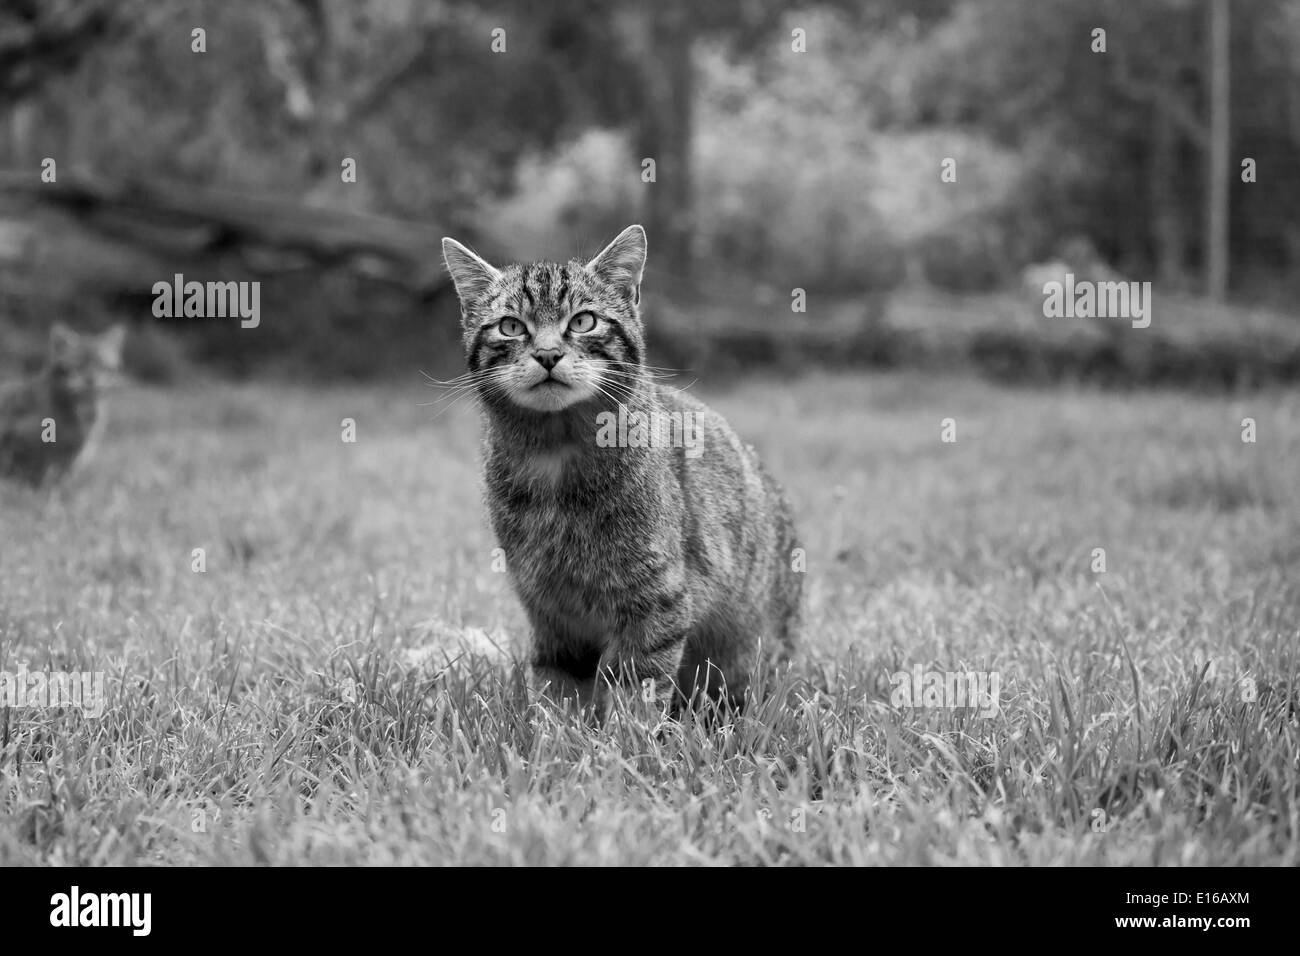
x: 511, y: 327
x: 582, y: 322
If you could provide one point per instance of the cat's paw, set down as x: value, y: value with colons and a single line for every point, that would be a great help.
x: 558, y: 687
x: 645, y: 707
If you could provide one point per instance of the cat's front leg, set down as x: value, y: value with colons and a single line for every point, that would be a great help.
x: 559, y: 685
x: 562, y: 669
x: 641, y: 669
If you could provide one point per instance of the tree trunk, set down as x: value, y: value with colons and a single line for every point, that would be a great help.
x: 1168, y: 232
x: 664, y: 135
x: 1216, y: 220
x: 21, y: 122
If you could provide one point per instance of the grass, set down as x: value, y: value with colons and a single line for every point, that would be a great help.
x: 341, y: 684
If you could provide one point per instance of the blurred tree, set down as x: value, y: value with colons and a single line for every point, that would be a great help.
x: 40, y: 39
x: 1129, y: 133
x: 43, y: 40
x: 1115, y: 145
x: 1216, y: 217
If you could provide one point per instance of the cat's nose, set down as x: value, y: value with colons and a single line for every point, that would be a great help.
x: 548, y: 358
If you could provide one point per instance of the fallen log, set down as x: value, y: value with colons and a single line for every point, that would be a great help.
x: 269, y: 235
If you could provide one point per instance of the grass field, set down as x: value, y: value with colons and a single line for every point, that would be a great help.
x: 341, y: 684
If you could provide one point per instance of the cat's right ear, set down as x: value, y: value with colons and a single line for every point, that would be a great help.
x: 62, y: 339
x: 471, y: 274
x: 622, y: 262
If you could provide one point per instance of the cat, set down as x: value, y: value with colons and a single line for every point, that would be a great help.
x: 639, y: 564
x: 50, y: 423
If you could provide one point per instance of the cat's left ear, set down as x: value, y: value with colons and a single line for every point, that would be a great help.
x: 622, y: 261
x: 63, y: 341
x: 471, y: 273
x: 61, y: 336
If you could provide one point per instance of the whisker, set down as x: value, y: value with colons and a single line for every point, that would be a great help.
x: 624, y: 395
x: 485, y: 381
x: 640, y: 365
x: 451, y: 381
x: 469, y: 384
x: 624, y: 378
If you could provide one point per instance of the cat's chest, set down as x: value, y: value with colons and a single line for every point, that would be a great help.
x: 45, y: 431
x: 78, y: 425
x: 575, y: 533
x: 547, y: 521
x: 52, y: 417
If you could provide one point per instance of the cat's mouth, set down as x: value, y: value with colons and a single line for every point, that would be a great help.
x: 549, y: 382
x: 551, y: 393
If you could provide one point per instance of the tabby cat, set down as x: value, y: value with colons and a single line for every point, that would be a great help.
x: 643, y: 563
x: 50, y: 422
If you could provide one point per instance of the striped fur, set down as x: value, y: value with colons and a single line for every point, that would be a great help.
x: 632, y: 563
x: 68, y: 392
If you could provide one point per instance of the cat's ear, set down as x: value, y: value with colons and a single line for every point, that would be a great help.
x: 62, y: 339
x: 621, y: 262
x: 471, y: 274
x: 110, y: 344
